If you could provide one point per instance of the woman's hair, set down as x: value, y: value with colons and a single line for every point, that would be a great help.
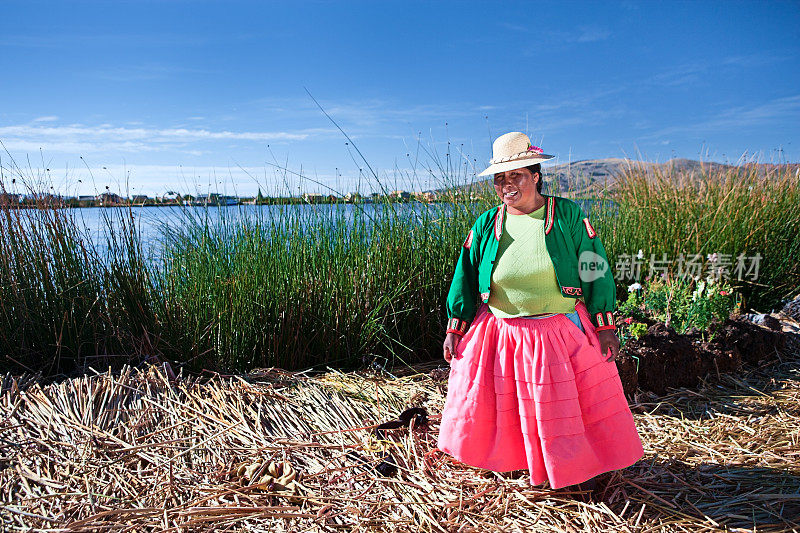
x: 534, y: 169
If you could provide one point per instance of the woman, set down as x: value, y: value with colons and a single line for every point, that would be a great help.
x: 533, y: 384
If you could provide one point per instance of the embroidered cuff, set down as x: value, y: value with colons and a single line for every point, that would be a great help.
x: 457, y: 326
x: 604, y: 320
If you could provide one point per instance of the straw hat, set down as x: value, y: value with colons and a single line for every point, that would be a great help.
x: 513, y: 150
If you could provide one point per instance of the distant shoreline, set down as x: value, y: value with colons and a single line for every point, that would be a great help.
x: 43, y: 204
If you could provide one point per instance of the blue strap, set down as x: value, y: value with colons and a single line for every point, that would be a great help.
x: 572, y: 316
x: 575, y: 319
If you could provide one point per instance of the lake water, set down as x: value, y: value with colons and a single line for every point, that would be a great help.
x: 151, y: 221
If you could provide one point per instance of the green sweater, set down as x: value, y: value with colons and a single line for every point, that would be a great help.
x: 579, y: 261
x: 523, y: 280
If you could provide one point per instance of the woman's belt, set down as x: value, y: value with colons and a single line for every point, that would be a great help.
x: 573, y: 316
x: 540, y: 315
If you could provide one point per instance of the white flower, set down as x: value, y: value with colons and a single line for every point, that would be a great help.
x: 713, y: 257
x: 640, y: 255
x: 699, y: 290
x: 634, y: 287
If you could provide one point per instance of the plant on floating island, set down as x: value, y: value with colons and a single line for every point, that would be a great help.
x: 630, y: 327
x: 677, y: 302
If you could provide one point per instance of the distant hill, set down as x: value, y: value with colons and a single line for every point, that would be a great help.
x: 594, y: 175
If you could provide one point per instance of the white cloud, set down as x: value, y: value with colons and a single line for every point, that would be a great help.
x: 756, y: 60
x: 149, y: 71
x: 154, y: 180
x: 513, y: 27
x: 590, y: 34
x: 81, y: 139
x: 581, y: 34
x: 75, y: 147
x: 366, y: 113
x: 54, y: 39
x: 772, y: 112
x: 680, y: 75
x: 698, y: 70
x: 48, y: 118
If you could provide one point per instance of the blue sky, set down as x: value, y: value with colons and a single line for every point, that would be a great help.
x: 190, y: 95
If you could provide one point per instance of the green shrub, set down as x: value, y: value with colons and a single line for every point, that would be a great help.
x: 681, y: 304
x: 747, y: 209
x: 632, y: 306
x: 637, y: 330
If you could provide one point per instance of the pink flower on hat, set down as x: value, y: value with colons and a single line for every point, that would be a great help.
x: 532, y: 148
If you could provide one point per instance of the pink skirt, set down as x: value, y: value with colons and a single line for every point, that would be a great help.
x: 537, y: 394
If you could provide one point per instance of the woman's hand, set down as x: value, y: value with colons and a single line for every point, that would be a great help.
x: 608, y: 341
x: 450, y: 344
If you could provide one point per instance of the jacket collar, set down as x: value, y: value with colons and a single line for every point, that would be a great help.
x: 549, y: 213
x: 549, y: 216
x: 499, y: 218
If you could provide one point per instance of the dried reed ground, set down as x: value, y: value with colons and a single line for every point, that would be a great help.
x: 134, y: 452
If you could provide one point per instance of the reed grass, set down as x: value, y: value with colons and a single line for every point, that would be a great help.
x: 137, y: 451
x: 297, y: 287
x: 318, y: 285
x: 51, y: 310
x: 70, y: 300
x: 732, y: 210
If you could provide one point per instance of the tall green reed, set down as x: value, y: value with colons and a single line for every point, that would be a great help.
x: 733, y: 210
x: 64, y: 303
x: 51, y: 316
x: 299, y: 286
x: 296, y: 287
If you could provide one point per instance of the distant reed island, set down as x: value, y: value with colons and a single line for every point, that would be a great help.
x: 580, y: 179
x: 171, y: 198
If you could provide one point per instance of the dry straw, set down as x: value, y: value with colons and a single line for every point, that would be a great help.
x: 134, y: 451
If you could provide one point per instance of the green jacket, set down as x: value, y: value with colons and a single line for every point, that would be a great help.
x: 579, y: 260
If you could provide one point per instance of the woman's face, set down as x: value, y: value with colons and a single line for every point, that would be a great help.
x: 517, y: 189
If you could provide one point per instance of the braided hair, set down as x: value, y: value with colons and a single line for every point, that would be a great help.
x: 534, y: 169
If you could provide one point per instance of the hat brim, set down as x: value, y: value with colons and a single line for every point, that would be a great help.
x: 517, y: 163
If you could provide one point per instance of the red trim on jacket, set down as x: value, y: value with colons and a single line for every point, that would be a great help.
x: 549, y: 214
x: 589, y: 229
x: 598, y: 317
x: 604, y: 321
x: 457, y: 326
x: 572, y: 291
x: 468, y: 242
x: 498, y: 221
